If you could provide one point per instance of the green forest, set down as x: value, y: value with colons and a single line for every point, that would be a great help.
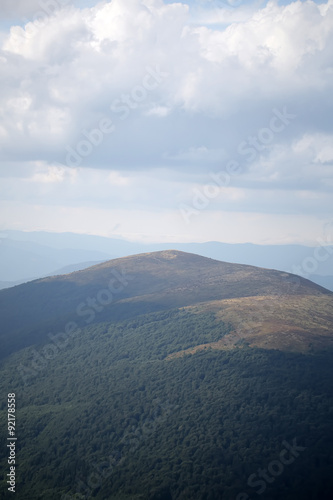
x: 112, y: 418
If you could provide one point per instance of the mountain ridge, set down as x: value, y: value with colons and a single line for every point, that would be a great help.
x: 51, y: 251
x: 130, y: 286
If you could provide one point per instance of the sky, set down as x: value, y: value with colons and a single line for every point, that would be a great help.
x: 156, y: 121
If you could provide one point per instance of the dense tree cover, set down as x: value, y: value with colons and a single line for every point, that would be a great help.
x: 110, y: 417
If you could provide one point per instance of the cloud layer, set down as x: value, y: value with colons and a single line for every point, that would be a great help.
x: 153, y: 97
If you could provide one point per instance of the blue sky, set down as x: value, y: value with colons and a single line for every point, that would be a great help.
x: 163, y: 121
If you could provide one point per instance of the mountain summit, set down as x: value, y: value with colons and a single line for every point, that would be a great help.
x: 264, y: 307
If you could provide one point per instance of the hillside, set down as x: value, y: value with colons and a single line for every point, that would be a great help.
x: 139, y: 284
x: 169, y: 376
x: 125, y: 287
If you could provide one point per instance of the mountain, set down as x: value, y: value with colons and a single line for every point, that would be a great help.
x: 50, y: 251
x: 63, y: 270
x: 324, y: 281
x: 169, y: 376
x: 145, y: 283
x: 73, y: 267
x: 9, y: 284
x: 24, y: 261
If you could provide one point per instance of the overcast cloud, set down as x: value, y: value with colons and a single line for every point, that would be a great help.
x: 190, y: 121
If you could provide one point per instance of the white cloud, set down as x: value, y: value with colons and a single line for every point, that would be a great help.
x: 182, y: 92
x: 76, y: 63
x: 160, y: 111
x: 45, y: 174
x: 319, y: 146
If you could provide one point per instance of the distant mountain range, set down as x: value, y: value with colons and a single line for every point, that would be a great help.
x: 30, y: 255
x: 169, y: 376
